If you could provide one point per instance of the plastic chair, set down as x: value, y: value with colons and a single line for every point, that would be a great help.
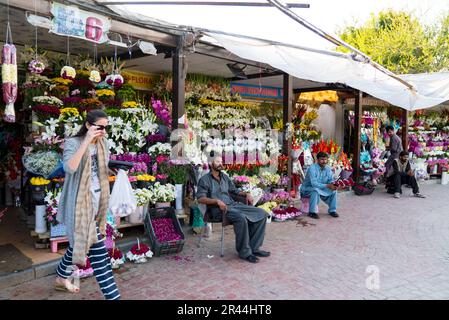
x: 210, y: 218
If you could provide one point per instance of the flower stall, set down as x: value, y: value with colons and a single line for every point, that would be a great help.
x: 428, y: 142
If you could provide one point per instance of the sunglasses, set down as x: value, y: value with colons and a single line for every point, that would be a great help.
x: 100, y: 127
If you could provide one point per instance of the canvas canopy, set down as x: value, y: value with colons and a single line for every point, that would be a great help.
x: 269, y: 36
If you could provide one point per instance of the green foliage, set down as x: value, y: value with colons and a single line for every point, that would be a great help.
x: 126, y: 93
x: 178, y: 173
x: 399, y: 42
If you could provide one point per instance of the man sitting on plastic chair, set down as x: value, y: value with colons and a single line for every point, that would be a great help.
x: 214, y: 190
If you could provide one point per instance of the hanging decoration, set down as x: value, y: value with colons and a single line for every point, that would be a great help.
x: 68, y: 72
x: 36, y: 66
x: 9, y: 75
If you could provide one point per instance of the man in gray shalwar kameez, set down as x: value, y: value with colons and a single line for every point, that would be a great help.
x: 395, y: 147
x: 214, y: 190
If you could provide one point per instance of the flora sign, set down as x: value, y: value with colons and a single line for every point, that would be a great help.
x: 73, y: 22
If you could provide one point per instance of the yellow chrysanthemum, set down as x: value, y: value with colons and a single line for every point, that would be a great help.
x: 62, y: 81
x: 70, y: 111
x: 130, y: 104
x: 105, y: 92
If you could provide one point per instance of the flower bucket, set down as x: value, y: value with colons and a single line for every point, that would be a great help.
x: 445, y: 178
x: 179, y: 196
x: 162, y: 204
x: 345, y: 174
x: 38, y: 193
x: 137, y: 215
x: 163, y: 129
x: 58, y: 230
x: 41, y: 224
x: 117, y: 221
x: 295, y: 153
x: 305, y: 205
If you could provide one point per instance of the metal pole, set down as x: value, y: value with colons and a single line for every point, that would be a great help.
x: 287, y: 118
x: 357, y: 133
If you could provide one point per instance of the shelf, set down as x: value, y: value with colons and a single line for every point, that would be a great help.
x: 128, y: 225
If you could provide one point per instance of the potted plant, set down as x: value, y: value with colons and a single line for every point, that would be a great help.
x: 178, y: 173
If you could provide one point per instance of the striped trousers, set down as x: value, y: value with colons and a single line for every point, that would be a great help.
x: 101, y: 264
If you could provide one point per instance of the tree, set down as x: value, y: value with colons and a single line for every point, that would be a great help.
x: 400, y: 43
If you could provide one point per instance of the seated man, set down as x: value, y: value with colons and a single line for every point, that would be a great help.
x: 401, y: 173
x: 319, y: 184
x: 249, y: 222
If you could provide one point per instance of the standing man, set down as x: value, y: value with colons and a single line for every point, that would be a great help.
x: 401, y: 173
x: 214, y: 190
x: 319, y: 184
x: 395, y: 147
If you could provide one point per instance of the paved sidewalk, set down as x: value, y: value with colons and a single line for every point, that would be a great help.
x: 403, y: 241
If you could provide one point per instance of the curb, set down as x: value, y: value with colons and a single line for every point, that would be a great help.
x: 49, y: 267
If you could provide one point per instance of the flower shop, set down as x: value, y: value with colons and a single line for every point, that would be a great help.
x: 423, y: 134
x: 51, y: 80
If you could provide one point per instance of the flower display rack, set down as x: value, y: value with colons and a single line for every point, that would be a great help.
x: 168, y: 247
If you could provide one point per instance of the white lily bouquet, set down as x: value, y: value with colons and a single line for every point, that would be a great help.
x: 160, y: 148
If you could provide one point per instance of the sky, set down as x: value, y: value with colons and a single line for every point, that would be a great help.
x: 272, y: 24
x: 332, y: 15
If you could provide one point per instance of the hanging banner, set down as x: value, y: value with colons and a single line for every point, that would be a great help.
x: 73, y: 22
x: 257, y: 92
x: 139, y: 80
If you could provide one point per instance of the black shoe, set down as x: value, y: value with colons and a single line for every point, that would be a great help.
x: 334, y: 214
x: 261, y: 253
x: 313, y: 215
x: 252, y: 258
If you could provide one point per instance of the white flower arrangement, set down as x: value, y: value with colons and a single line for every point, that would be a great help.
x: 42, y: 163
x: 162, y: 193
x: 68, y: 71
x: 160, y: 148
x: 143, y: 196
x: 95, y: 76
x: 48, y: 100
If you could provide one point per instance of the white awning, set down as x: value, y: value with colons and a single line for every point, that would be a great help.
x: 290, y: 49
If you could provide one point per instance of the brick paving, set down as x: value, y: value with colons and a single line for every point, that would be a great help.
x: 405, y: 240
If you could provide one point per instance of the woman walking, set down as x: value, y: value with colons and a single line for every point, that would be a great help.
x: 84, y: 203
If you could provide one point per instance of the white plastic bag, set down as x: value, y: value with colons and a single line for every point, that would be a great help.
x: 122, y: 201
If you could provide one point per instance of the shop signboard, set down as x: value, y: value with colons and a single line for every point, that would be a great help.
x: 257, y: 92
x: 139, y: 80
x: 73, y: 22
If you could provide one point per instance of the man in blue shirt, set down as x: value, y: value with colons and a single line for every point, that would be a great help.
x: 317, y: 184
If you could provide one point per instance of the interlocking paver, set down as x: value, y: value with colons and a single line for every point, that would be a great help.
x: 405, y: 240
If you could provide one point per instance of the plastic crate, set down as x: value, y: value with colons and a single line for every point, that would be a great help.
x: 168, y: 247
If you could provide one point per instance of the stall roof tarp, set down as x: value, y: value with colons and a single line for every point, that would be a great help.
x: 316, y: 65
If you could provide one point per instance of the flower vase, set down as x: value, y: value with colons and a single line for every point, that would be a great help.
x: 163, y: 129
x: 41, y: 224
x: 137, y: 215
x: 435, y: 169
x: 295, y: 153
x: 179, y: 198
x: 162, y: 204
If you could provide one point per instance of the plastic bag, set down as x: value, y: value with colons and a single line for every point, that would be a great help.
x: 122, y: 201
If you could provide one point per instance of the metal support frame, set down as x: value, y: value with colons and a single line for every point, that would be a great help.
x: 179, y: 78
x: 287, y: 118
x: 405, y: 129
x: 358, y: 111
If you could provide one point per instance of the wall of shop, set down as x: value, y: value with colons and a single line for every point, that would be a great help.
x: 326, y: 121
